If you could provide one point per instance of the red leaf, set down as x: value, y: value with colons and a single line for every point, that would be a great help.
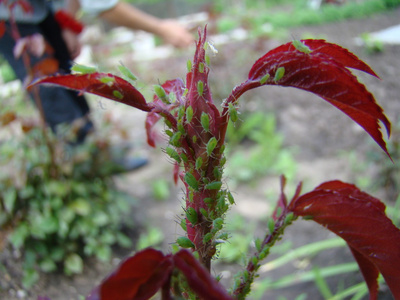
x: 45, y: 67
x: 360, y: 220
x: 369, y: 271
x: 138, y: 277
x: 2, y: 28
x: 176, y: 86
x: 102, y: 84
x: 323, y: 72
x: 151, y: 119
x: 198, y: 278
x: 339, y: 54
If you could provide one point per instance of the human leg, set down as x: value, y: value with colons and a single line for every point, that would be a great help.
x: 59, y: 105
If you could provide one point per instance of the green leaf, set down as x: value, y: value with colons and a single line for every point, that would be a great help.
x: 57, y: 188
x: 81, y: 207
x: 103, y: 253
x: 73, y: 264
x: 153, y: 237
x: 47, y: 265
x: 10, y: 195
x: 30, y: 277
x: 57, y: 253
x: 108, y: 237
x: 160, y: 189
x: 42, y: 225
x: 184, y: 242
x: 17, y: 238
x: 101, y: 219
x: 123, y: 240
x: 27, y: 192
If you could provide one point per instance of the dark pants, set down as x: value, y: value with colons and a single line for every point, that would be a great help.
x: 59, y: 104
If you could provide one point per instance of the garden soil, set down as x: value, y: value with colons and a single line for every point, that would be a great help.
x: 326, y: 145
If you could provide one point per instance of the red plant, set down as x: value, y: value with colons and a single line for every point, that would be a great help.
x: 197, y: 129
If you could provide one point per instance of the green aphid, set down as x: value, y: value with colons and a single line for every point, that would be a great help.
x: 181, y: 112
x: 208, y: 201
x: 191, y: 195
x: 181, y: 128
x: 172, y: 97
x: 207, y: 58
x: 212, y: 143
x: 217, y: 172
x: 254, y: 260
x: 207, y: 237
x: 280, y: 72
x: 264, y: 78
x: 278, y: 212
x: 127, y: 73
x: 173, y: 154
x: 204, y: 212
x: 230, y: 198
x: 107, y: 80
x: 223, y: 236
x: 199, y: 163
x: 194, y: 139
x: 200, y: 87
x: 183, y: 225
x: 222, y: 205
x: 169, y: 133
x: 271, y: 225
x: 184, y: 157
x: 216, y: 185
x: 233, y: 112
x: 175, y: 248
x: 205, y: 121
x: 299, y: 45
x: 222, y: 161
x: 222, y: 149
x: 191, y: 215
x: 262, y: 255
x: 189, y: 65
x: 175, y: 139
x: 191, y: 181
x: 201, y: 67
x: 218, y: 224
x: 289, y: 218
x: 265, y: 251
x: 117, y: 94
x: 83, y: 69
x: 184, y: 242
x: 189, y: 114
x: 258, y: 244
x: 160, y: 93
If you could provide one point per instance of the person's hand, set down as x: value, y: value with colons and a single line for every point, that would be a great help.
x: 175, y: 34
x: 72, y: 41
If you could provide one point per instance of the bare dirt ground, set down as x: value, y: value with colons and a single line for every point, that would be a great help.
x: 321, y: 134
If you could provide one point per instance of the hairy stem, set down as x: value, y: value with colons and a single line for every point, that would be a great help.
x: 243, y: 282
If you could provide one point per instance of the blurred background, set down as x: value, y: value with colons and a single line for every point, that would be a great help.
x: 62, y: 233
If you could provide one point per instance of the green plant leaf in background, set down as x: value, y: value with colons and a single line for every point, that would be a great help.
x: 73, y: 264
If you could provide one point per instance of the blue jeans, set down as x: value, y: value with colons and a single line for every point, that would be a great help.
x: 59, y: 104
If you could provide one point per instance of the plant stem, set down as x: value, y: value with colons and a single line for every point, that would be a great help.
x: 246, y: 278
